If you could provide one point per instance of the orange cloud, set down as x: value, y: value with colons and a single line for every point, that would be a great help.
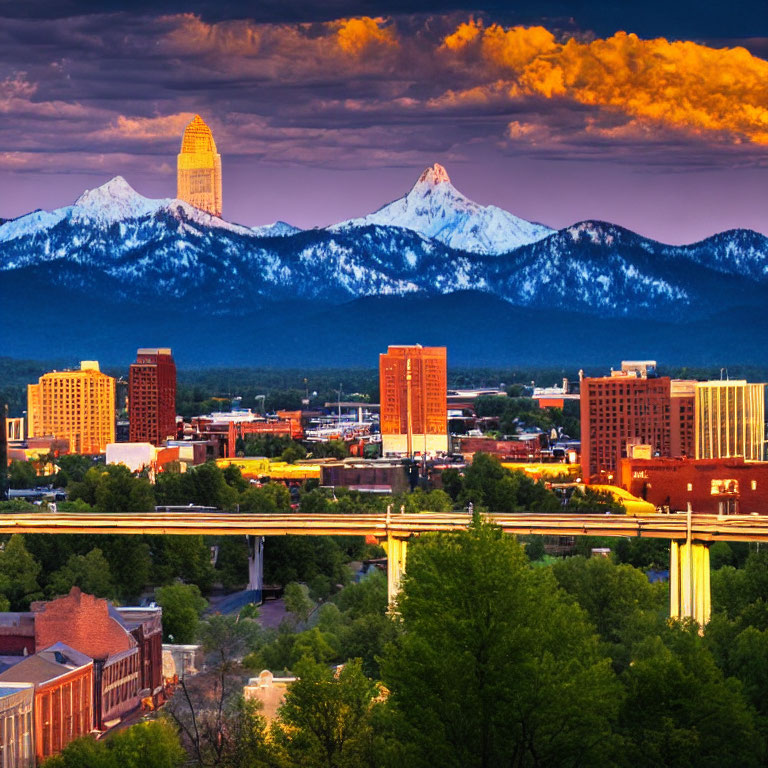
x: 297, y: 44
x: 681, y: 84
x: 148, y: 128
x: 355, y: 36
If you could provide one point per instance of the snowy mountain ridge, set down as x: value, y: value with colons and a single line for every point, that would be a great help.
x: 114, y: 202
x: 436, y: 209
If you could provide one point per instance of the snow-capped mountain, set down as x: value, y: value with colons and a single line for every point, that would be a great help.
x: 113, y: 203
x: 276, y: 229
x: 114, y: 241
x: 436, y: 209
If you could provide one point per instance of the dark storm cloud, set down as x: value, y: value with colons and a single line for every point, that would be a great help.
x: 688, y: 19
x: 79, y: 87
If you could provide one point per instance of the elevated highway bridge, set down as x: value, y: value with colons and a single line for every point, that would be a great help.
x: 690, y: 535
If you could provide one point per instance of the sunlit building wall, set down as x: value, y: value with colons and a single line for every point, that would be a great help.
x: 730, y: 420
x: 199, y: 168
x: 682, y: 417
x: 152, y: 396
x: 76, y: 405
x: 413, y: 383
x: 626, y: 408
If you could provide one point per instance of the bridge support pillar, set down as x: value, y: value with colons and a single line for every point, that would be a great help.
x: 396, y: 550
x: 256, y: 566
x: 689, y: 590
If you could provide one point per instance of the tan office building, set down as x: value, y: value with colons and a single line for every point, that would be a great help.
x: 76, y: 405
x: 730, y: 420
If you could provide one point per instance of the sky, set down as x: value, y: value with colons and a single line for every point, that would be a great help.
x: 652, y: 115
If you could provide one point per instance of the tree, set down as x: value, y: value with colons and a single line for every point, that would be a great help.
x: 19, y: 572
x: 114, y: 488
x: 22, y: 474
x: 72, y: 468
x: 610, y: 594
x: 294, y: 452
x: 333, y: 449
x: 89, y: 572
x: 495, y: 666
x: 232, y: 562
x: 208, y: 708
x: 487, y: 483
x: 326, y: 712
x: 182, y: 606
x: 154, y: 743
x: 183, y: 557
x: 681, y: 711
x: 297, y: 602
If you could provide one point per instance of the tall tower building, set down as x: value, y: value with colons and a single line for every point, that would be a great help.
x: 730, y: 420
x: 76, y: 405
x: 152, y: 396
x: 199, y: 168
x: 414, y: 400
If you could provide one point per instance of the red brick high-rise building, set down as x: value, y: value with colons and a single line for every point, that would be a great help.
x: 633, y: 407
x: 152, y: 397
x: 629, y: 406
x: 414, y: 400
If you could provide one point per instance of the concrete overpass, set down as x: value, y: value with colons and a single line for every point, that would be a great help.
x: 691, y: 535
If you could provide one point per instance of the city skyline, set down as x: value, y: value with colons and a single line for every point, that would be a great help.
x: 651, y: 120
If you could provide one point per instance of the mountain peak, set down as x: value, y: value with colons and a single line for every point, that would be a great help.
x: 434, y: 175
x: 113, y: 190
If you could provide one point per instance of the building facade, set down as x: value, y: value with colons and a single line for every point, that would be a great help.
x: 711, y: 486
x: 16, y: 726
x: 93, y: 627
x: 682, y: 418
x: 199, y: 168
x: 63, y: 708
x: 631, y: 406
x: 152, y: 396
x: 413, y: 389
x: 78, y: 406
x: 730, y: 420
x: 146, y: 626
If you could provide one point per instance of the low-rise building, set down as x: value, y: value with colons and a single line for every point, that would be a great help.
x: 63, y: 689
x: 92, y: 626
x: 16, y: 727
x: 146, y: 626
x: 714, y: 486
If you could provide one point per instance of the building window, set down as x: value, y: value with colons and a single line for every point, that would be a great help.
x: 690, y: 487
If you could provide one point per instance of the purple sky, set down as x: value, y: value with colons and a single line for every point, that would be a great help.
x: 319, y: 118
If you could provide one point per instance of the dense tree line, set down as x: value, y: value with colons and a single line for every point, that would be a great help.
x: 488, y: 661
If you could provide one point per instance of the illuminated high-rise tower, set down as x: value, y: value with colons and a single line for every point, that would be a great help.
x: 199, y: 168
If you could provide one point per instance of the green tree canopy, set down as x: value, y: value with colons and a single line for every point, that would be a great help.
x: 182, y: 606
x: 495, y: 666
x: 89, y: 572
x: 326, y: 713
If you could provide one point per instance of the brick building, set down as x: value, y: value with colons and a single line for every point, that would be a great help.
x: 152, y: 396
x: 414, y: 395
x: 146, y: 626
x: 92, y: 626
x: 682, y: 402
x: 714, y: 486
x: 17, y: 749
x: 630, y: 408
x: 625, y: 407
x: 63, y: 683
x: 17, y: 633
